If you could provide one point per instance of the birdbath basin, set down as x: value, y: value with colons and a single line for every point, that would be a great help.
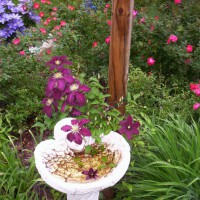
x: 52, y: 158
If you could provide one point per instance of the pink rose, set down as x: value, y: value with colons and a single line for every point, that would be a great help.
x: 71, y: 7
x: 43, y: 30
x: 151, y: 61
x: 54, y: 8
x: 41, y: 14
x: 109, y: 22
x: 63, y: 23
x: 189, y: 48
x: 36, y: 5
x: 196, y: 106
x: 194, y: 86
x: 142, y: 20
x: 94, y: 44
x: 16, y: 41
x: 135, y: 12
x: 48, y: 51
x: 52, y: 13
x: 177, y: 1
x: 172, y: 38
x: 107, y: 6
x: 187, y: 61
x: 107, y: 40
x: 57, y: 28
x: 22, y: 53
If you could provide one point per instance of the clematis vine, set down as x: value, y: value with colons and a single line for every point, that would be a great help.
x: 129, y: 127
x: 58, y: 62
x: 49, y: 106
x: 75, y: 94
x: 90, y: 174
x: 59, y: 80
x: 77, y: 130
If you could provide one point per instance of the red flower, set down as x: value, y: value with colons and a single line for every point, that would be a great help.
x: 57, y: 28
x: 196, y: 106
x: 41, y: 14
x: 16, y: 41
x: 71, y: 7
x: 109, y: 22
x: 22, y: 53
x: 36, y: 5
x: 189, y: 48
x: 172, y: 38
x: 107, y: 6
x: 151, y: 61
x: 177, y: 1
x: 43, y: 30
x: 53, y: 13
x: 54, y: 8
x: 107, y: 40
x: 94, y: 44
x: 48, y: 51
x: 63, y: 23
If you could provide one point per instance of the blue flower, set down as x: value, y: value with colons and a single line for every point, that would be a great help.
x: 12, y: 16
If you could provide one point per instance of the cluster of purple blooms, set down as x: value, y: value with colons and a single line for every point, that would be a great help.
x: 12, y: 17
x: 63, y: 86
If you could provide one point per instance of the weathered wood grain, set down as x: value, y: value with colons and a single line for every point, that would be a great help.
x: 119, y: 51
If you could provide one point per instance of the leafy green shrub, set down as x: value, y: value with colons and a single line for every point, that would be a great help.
x: 148, y: 94
x: 167, y: 166
x: 153, y: 25
x: 22, y: 80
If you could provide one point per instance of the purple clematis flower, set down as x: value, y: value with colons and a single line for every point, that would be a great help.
x: 90, y: 174
x: 49, y: 104
x: 77, y: 130
x: 129, y: 127
x: 58, y: 62
x: 59, y: 80
x: 75, y: 112
x: 75, y: 93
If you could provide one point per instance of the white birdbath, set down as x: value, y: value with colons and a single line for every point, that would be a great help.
x: 49, y: 149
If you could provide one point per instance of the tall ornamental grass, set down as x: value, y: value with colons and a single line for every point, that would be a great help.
x: 168, y: 165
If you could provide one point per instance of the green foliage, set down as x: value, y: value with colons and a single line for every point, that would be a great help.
x: 22, y: 80
x: 148, y: 94
x: 16, y: 180
x: 103, y: 118
x: 167, y: 167
x: 181, y: 20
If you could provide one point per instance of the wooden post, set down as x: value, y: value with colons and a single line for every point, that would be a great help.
x: 119, y: 51
x: 119, y: 58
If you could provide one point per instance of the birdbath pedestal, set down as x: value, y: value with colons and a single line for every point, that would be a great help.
x: 50, y: 152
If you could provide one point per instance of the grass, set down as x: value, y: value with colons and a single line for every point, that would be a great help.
x: 168, y: 167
